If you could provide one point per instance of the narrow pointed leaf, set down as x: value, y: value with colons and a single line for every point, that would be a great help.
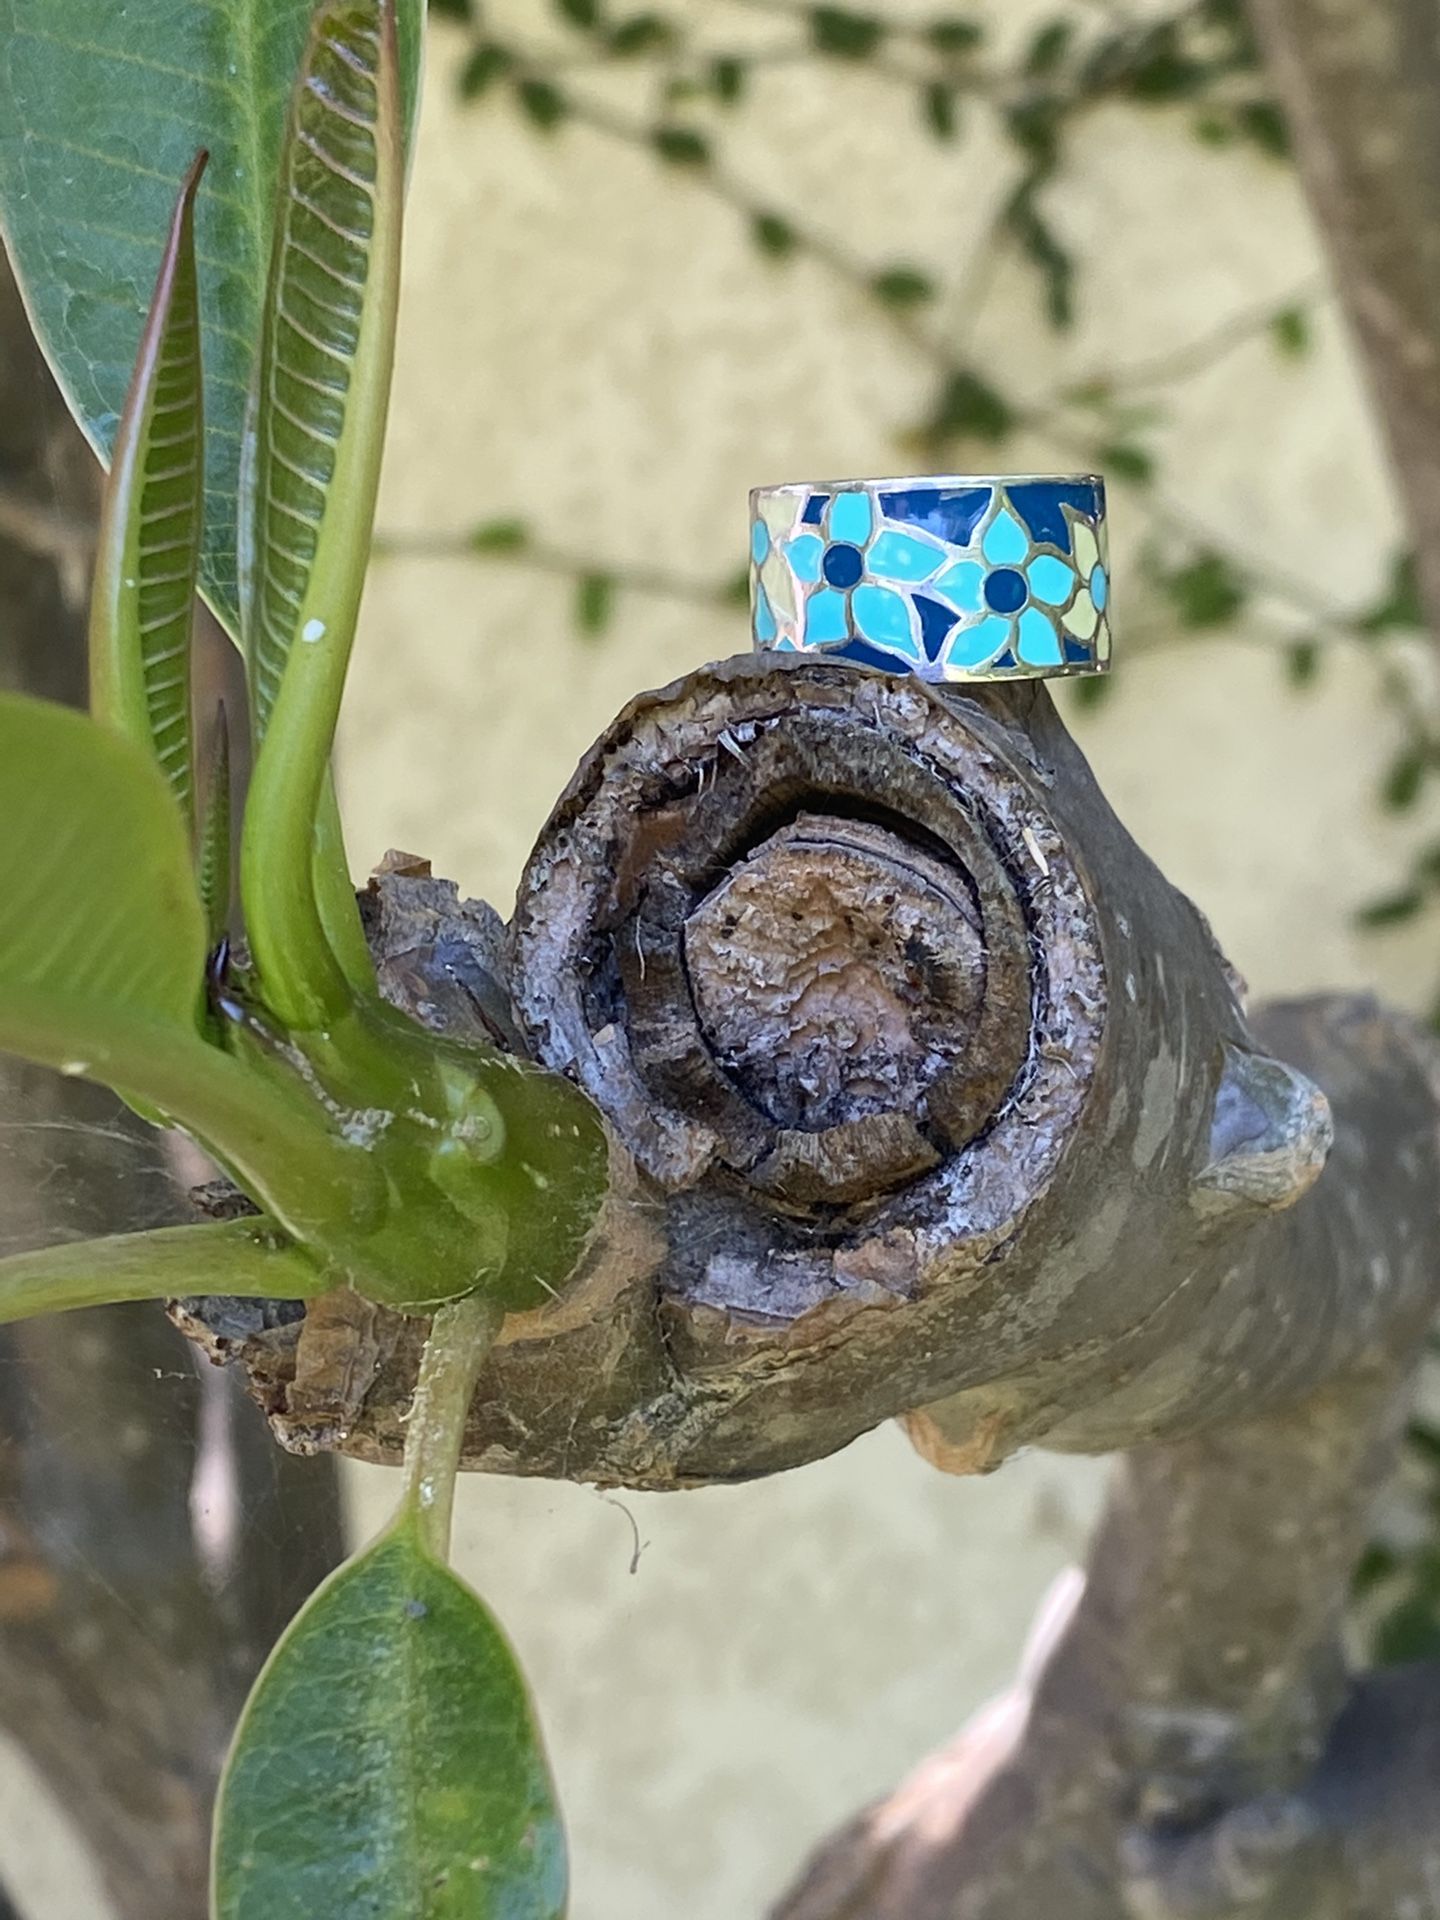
x: 102, y: 108
x: 323, y: 383
x: 142, y: 601
x: 388, y: 1763
x: 212, y: 847
x: 243, y: 1257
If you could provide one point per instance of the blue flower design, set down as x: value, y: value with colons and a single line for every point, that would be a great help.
x: 1012, y: 599
x: 851, y: 568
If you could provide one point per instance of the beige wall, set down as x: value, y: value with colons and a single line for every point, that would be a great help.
x: 592, y: 344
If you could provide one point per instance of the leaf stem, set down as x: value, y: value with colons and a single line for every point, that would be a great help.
x: 461, y: 1335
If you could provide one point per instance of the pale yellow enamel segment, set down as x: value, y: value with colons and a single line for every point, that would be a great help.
x: 1082, y: 617
x: 776, y: 579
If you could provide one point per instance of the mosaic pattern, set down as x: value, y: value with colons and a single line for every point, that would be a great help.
x: 951, y: 579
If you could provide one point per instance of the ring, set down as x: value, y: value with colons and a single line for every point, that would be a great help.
x: 946, y: 576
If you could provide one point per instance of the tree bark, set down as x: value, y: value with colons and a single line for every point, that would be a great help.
x: 943, y: 1104
x: 1360, y: 83
x: 152, y: 1541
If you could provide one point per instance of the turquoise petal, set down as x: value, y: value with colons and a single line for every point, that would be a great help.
x: 1039, y: 642
x: 759, y: 543
x: 805, y: 553
x: 1099, y: 588
x: 850, y: 518
x: 883, y: 617
x: 903, y: 556
x: 1051, y: 580
x: 827, y: 618
x: 976, y: 646
x: 963, y: 585
x: 764, y: 617
x: 1006, y: 543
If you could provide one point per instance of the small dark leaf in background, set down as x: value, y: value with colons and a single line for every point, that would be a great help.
x: 584, y: 14
x: 1161, y: 73
x: 736, y: 590
x: 969, y: 405
x: 594, y: 603
x: 1127, y: 461
x: 849, y: 36
x: 486, y: 64
x: 1034, y: 126
x: 1391, y: 908
x: 641, y: 33
x: 1206, y: 593
x: 1048, y: 47
x: 1263, y: 124
x: 773, y: 234
x: 1290, y: 330
x: 681, y: 146
x: 1043, y: 250
x: 544, y: 103
x: 1404, y: 777
x: 954, y: 37
x: 1302, y: 663
x: 728, y: 77
x: 941, y: 109
x: 1399, y: 606
x: 500, y: 536
x: 451, y: 9
x: 1092, y: 690
x: 903, y: 286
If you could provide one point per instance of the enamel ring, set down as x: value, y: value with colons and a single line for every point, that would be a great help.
x: 946, y: 576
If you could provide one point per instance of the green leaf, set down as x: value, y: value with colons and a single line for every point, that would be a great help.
x: 1091, y: 690
x: 954, y: 37
x: 941, y: 109
x: 729, y: 76
x: 1302, y: 663
x: 594, y: 602
x: 247, y: 1258
x: 1391, y: 908
x: 1290, y: 330
x: 102, y: 955
x: 1404, y: 777
x: 543, y: 103
x: 641, y: 33
x: 490, y: 61
x: 1265, y: 126
x: 584, y: 14
x: 1128, y: 462
x: 388, y: 1763
x: 327, y: 349
x: 500, y: 536
x: 903, y: 286
x: 774, y: 234
x: 1206, y: 593
x: 102, y: 109
x: 1048, y: 47
x: 969, y: 405
x: 681, y: 146
x: 141, y: 604
x: 1399, y: 606
x: 102, y: 941
x: 849, y: 36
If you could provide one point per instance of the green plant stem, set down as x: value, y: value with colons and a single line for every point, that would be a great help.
x: 461, y: 1334
x: 242, y: 1257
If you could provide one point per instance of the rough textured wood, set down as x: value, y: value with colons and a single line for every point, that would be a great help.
x: 785, y: 911
x: 1360, y: 82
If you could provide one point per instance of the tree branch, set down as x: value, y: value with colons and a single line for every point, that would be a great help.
x: 1361, y: 85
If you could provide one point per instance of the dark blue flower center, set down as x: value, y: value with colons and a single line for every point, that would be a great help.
x: 1005, y: 590
x: 842, y: 565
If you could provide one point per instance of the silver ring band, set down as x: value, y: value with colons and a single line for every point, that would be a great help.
x: 946, y: 576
